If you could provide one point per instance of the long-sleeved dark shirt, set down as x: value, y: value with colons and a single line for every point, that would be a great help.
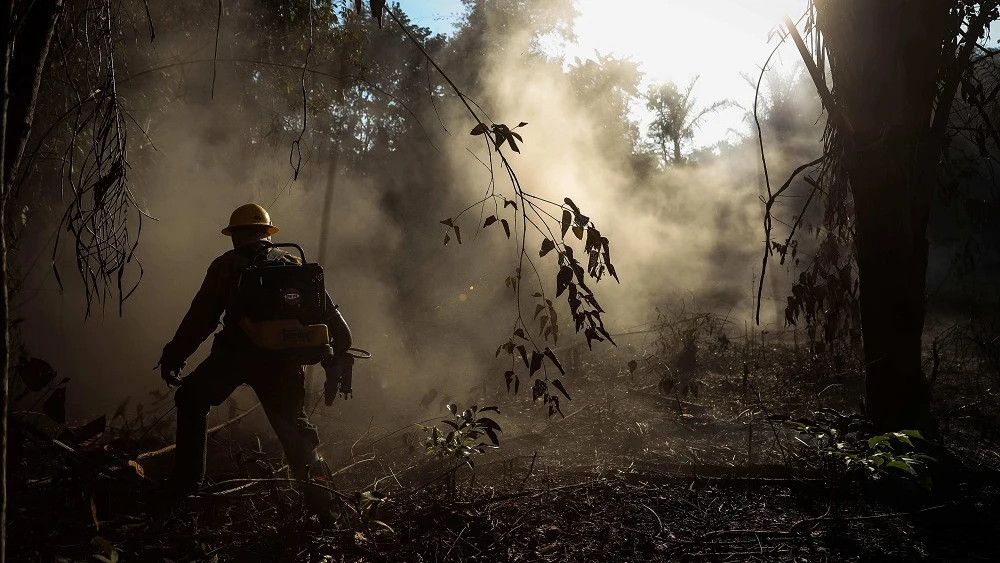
x: 215, y: 297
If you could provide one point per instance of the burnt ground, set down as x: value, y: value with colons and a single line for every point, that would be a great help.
x: 646, y: 465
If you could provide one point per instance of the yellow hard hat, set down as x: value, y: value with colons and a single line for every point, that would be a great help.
x: 250, y: 215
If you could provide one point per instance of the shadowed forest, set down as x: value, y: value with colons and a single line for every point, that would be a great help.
x: 612, y: 314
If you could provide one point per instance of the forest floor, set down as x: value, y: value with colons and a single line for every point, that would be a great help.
x: 672, y: 458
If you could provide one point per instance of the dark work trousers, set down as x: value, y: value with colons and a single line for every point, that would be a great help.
x: 279, y: 386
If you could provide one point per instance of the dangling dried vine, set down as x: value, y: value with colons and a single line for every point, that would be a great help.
x: 103, y: 215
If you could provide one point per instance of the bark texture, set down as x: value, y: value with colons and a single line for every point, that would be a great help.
x: 886, y: 62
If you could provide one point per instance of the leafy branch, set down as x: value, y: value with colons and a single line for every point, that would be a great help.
x: 541, y: 216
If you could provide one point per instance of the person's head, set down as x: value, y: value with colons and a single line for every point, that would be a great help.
x: 245, y: 235
x: 248, y: 224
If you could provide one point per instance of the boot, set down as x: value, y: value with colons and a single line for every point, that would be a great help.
x: 319, y: 501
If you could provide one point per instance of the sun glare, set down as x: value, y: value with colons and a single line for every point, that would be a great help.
x: 680, y: 39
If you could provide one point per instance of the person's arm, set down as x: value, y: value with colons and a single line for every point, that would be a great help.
x: 338, y: 366
x: 202, y: 317
x: 340, y: 333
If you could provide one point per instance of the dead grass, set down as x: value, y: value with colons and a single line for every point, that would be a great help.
x: 635, y: 471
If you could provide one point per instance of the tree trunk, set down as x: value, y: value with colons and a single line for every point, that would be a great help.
x: 677, y: 150
x: 885, y: 57
x: 21, y: 78
x: 331, y: 183
x: 333, y: 159
x: 5, y: 24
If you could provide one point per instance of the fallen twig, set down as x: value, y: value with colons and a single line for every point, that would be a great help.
x: 213, y: 430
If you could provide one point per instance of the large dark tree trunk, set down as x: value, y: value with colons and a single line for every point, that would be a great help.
x: 887, y: 60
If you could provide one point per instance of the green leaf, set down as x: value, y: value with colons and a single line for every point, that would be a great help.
x: 447, y: 222
x: 489, y: 221
x: 904, y: 439
x: 539, y: 309
x: 478, y: 129
x: 901, y: 465
x: 384, y: 525
x: 453, y: 408
x: 876, y: 440
x: 506, y: 227
x: 567, y: 220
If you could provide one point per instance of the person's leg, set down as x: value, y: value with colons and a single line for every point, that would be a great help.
x: 209, y: 385
x: 282, y: 394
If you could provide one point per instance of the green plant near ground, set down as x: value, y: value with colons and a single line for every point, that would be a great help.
x: 905, y: 454
x: 464, y: 438
x: 367, y: 504
x: 896, y: 454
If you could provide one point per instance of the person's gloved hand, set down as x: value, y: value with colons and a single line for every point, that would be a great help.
x: 331, y: 387
x: 171, y: 374
x: 338, y: 377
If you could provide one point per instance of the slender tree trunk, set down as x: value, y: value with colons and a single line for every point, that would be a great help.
x: 677, y: 150
x: 22, y: 75
x: 333, y: 159
x: 5, y: 35
x: 885, y: 59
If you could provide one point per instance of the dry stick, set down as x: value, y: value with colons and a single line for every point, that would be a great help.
x: 777, y: 438
x: 804, y: 525
x: 798, y: 219
x: 215, y: 59
x: 818, y: 79
x: 530, y: 470
x: 213, y: 430
x: 310, y: 483
x: 767, y: 223
x: 828, y: 101
x: 435, y: 479
x: 346, y: 467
